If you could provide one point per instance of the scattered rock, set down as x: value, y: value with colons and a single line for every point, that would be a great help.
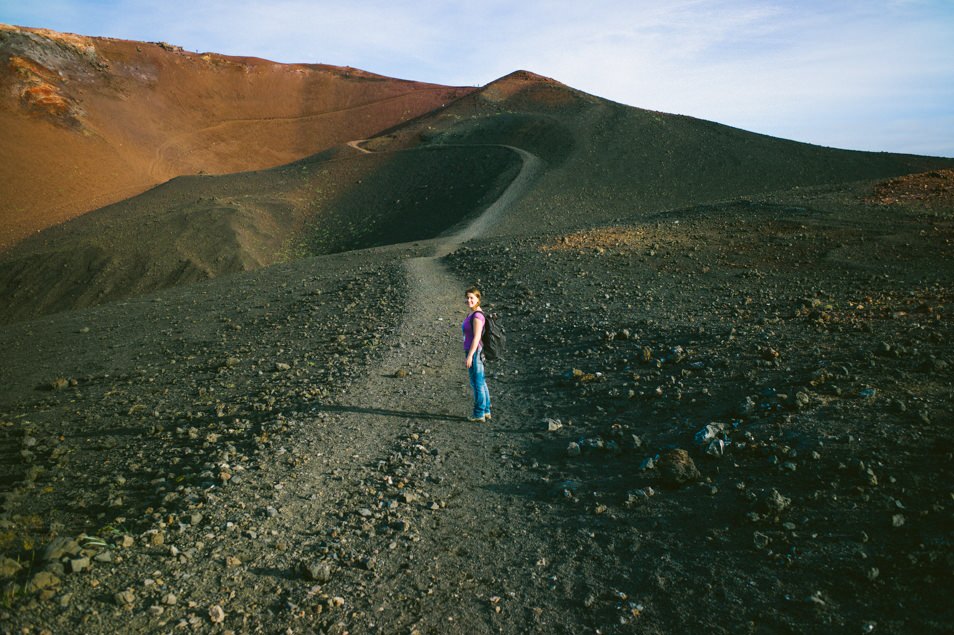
x: 573, y: 449
x: 78, y: 564
x: 60, y: 547
x: 216, y: 614
x: 40, y: 581
x: 676, y: 468
x: 125, y: 598
x: 316, y: 571
x: 9, y: 568
x: 773, y: 502
x: 639, y: 496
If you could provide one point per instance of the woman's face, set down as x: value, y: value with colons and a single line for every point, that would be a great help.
x: 472, y: 301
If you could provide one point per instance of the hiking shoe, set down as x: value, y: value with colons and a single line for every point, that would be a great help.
x: 478, y: 419
x: 487, y: 417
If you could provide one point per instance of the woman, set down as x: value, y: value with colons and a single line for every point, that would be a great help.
x: 473, y: 328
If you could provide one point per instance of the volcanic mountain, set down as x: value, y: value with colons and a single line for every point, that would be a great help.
x: 87, y: 121
x: 207, y: 114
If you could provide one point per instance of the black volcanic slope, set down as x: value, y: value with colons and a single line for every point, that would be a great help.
x: 602, y: 161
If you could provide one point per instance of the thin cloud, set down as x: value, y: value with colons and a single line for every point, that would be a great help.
x: 811, y: 70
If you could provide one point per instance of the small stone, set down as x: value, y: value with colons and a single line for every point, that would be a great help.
x: 573, y: 449
x: 59, y: 383
x: 78, y: 564
x: 9, y: 568
x: 317, y: 571
x: 400, y: 373
x: 639, y: 497
x: 648, y: 463
x: 553, y: 425
x: 775, y: 502
x: 60, y: 547
x: 155, y: 610
x: 281, y: 367
x: 169, y: 599
x: 760, y: 540
x: 232, y: 561
x: 897, y: 520
x: 802, y: 399
x: 40, y: 581
x: 216, y: 614
x: 126, y: 541
x: 677, y: 467
x: 104, y: 557
x: 157, y: 539
x: 125, y: 598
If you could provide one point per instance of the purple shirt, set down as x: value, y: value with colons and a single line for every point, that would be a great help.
x: 468, y: 328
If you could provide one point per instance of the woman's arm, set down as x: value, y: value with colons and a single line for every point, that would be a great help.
x: 478, y: 327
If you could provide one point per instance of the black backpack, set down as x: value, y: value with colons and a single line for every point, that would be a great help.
x: 493, y: 339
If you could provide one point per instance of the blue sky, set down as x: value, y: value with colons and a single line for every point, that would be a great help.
x: 859, y: 74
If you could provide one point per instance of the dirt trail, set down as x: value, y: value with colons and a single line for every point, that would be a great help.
x: 399, y: 466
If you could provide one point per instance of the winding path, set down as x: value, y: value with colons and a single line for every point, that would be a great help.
x: 412, y: 464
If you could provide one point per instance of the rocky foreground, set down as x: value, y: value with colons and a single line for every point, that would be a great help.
x: 729, y: 418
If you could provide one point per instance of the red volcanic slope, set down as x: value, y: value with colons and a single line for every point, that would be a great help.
x: 86, y: 121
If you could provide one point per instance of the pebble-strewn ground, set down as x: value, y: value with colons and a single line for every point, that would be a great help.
x: 730, y: 418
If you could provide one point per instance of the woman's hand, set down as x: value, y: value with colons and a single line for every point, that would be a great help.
x: 469, y: 361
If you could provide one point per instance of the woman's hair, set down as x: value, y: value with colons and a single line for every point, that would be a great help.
x: 475, y: 291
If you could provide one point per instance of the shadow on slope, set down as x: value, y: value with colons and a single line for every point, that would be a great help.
x: 408, y: 196
x: 196, y: 228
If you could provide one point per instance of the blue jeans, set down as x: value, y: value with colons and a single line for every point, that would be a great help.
x: 478, y: 384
